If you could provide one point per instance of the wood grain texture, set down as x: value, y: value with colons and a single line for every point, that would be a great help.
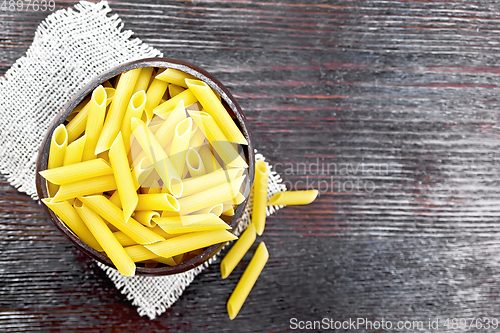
x: 397, y: 104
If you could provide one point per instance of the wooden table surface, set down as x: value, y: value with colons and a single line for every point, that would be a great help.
x: 390, y: 108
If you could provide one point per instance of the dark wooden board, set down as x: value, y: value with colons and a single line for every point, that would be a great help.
x: 398, y: 99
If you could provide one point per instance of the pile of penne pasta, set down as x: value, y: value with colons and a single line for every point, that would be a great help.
x: 148, y: 169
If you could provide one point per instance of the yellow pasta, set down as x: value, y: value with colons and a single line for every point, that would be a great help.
x: 114, y: 215
x: 225, y: 149
x: 74, y: 151
x: 233, y: 257
x: 114, y: 117
x: 145, y: 217
x: 65, y: 211
x: 83, y: 187
x: 207, y: 181
x: 163, y: 109
x: 107, y: 240
x: 141, y: 171
x: 123, y: 239
x: 259, y: 197
x: 123, y: 177
x: 178, y: 228
x: 158, y: 157
x: 189, y: 242
x: 216, y: 210
x: 180, y: 144
x: 166, y: 131
x: 159, y: 201
x: 135, y: 109
x: 175, y: 90
x: 209, y: 161
x: 212, y: 105
x: 194, y: 163
x: 293, y: 198
x: 139, y: 253
x: 174, y: 76
x: 247, y: 280
x: 144, y: 79
x: 153, y: 96
x: 210, y: 197
x: 77, y: 125
x: 57, y: 151
x: 197, y: 138
x: 227, y: 210
x: 95, y: 122
x: 76, y: 172
x: 186, y: 219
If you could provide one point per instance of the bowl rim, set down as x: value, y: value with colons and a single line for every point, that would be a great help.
x: 201, y: 74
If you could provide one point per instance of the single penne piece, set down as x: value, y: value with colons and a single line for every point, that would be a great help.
x: 158, y: 157
x: 114, y: 215
x: 89, y: 186
x: 211, y: 197
x: 189, y: 242
x: 174, y: 76
x: 197, y: 139
x: 75, y: 172
x: 213, y: 106
x: 145, y: 217
x: 209, y: 161
x: 165, y: 132
x: 180, y: 144
x: 194, y: 164
x: 207, y: 181
x: 153, y: 97
x: 163, y: 109
x: 179, y: 228
x: 57, y: 151
x: 139, y: 253
x: 117, y: 109
x: 144, y: 79
x: 66, y: 212
x: 216, y: 210
x: 186, y: 220
x: 247, y: 280
x: 77, y: 125
x: 123, y: 177
x: 123, y: 239
x: 95, y: 122
x: 293, y: 198
x: 175, y: 90
x: 238, y: 250
x: 157, y: 230
x: 260, y: 197
x: 225, y: 149
x: 158, y: 201
x: 74, y: 151
x: 107, y: 240
x: 135, y: 109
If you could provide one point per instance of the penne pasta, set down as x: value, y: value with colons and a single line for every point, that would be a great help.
x: 175, y: 90
x: 197, y: 139
x: 114, y: 215
x: 76, y: 172
x: 225, y: 149
x: 143, y: 79
x: 180, y: 144
x: 74, y: 151
x: 174, y: 76
x: 207, y: 181
x: 123, y: 177
x: 216, y: 210
x: 107, y: 240
x: 77, y: 125
x: 247, y: 280
x: 139, y: 253
x: 135, y: 109
x: 153, y: 97
x: 57, y: 151
x: 197, y: 227
x: 145, y: 217
x: 260, y: 197
x: 209, y: 161
x: 228, y: 210
x: 187, y: 220
x: 166, y: 131
x: 65, y: 211
x: 114, y: 118
x: 293, y: 198
x: 210, y: 197
x: 157, y: 230
x: 95, y: 122
x: 212, y: 105
x: 123, y: 239
x: 234, y: 256
x: 189, y: 242
x: 84, y: 187
x: 163, y: 109
x: 159, y: 201
x: 158, y: 157
x: 194, y: 163
x: 142, y: 171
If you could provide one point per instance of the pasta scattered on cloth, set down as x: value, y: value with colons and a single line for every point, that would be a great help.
x: 70, y: 47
